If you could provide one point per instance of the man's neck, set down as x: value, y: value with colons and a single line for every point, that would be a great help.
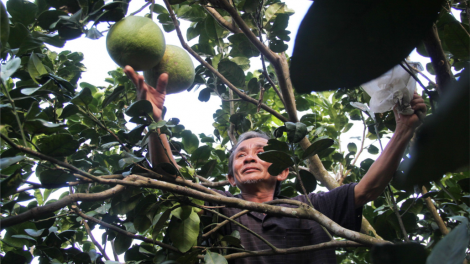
x: 258, y: 197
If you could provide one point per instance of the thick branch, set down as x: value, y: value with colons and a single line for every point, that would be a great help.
x: 215, y: 184
x: 278, y: 62
x: 435, y: 214
x: 221, y: 20
x: 285, y: 251
x: 124, y: 232
x: 220, y: 76
x: 303, y: 211
x: 36, y: 212
x: 444, y: 76
x: 45, y: 157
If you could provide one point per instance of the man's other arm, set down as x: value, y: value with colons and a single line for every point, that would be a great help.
x: 383, y: 169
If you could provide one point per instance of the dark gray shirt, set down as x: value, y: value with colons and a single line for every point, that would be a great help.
x: 285, y: 232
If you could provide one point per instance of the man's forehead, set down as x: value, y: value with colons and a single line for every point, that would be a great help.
x: 252, y: 143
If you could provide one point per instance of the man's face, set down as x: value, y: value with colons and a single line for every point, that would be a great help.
x: 248, y: 168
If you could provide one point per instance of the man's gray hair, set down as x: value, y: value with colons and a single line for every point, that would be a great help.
x: 241, y: 138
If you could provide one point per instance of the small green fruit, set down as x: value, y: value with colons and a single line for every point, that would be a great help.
x: 136, y: 41
x: 179, y: 66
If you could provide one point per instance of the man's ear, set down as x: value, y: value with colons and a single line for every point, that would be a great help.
x: 231, y: 179
x: 283, y: 175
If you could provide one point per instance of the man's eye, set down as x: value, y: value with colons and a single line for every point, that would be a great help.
x: 240, y: 155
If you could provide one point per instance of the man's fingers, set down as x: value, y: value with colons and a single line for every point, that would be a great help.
x: 131, y: 74
x: 162, y: 83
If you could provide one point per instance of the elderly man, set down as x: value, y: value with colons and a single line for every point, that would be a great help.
x: 250, y: 174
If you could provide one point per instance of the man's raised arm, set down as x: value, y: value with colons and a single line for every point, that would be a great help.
x: 383, y: 169
x: 156, y: 96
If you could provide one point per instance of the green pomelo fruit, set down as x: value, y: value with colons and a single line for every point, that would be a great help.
x: 136, y: 41
x: 4, y: 25
x: 179, y: 66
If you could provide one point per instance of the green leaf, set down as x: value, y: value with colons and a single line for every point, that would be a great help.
x: 9, y: 185
x: 348, y: 40
x: 295, y: 131
x: 10, y: 68
x: 49, y: 17
x: 184, y: 233
x: 159, y: 9
x: 83, y: 98
x: 280, y: 161
x: 22, y: 11
x: 373, y: 150
x: 59, y: 145
x: 232, y: 72
x: 55, y: 177
x: 309, y: 181
x: 204, y: 95
x: 182, y: 212
x: 122, y: 243
x: 193, y: 13
x: 318, y: 145
x: 140, y: 108
x: 455, y: 36
x: 7, y: 162
x: 200, y: 155
x: 352, y: 147
x: 365, y: 164
x: 278, y: 132
x: 69, y: 110
x: 242, y: 46
x: 34, y: 232
x: 406, y: 253
x: 159, y: 221
x: 451, y: 249
x: 190, y: 141
x: 214, y: 258
x: 272, y: 11
x: 274, y: 144
x: 35, y: 67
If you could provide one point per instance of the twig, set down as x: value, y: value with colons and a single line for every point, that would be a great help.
x: 240, y: 225
x: 116, y: 257
x: 359, y: 153
x: 124, y: 232
x: 265, y: 72
x: 151, y: 9
x: 439, y: 183
x: 20, y: 126
x: 397, y: 213
x: 221, y: 224
x: 215, y: 184
x: 98, y: 245
x: 138, y: 11
x: 220, y: 76
x: 231, y: 128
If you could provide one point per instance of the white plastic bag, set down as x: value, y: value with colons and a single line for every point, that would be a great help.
x: 394, y: 87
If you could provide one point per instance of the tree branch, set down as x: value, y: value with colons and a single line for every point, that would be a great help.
x: 98, y: 245
x: 279, y: 62
x: 124, y: 232
x: 220, y: 76
x: 45, y: 157
x: 444, y: 76
x: 285, y: 251
x: 434, y: 213
x: 221, y: 224
x: 36, y: 212
x: 221, y: 20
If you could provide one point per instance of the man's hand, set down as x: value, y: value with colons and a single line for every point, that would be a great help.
x: 410, y: 122
x: 156, y: 96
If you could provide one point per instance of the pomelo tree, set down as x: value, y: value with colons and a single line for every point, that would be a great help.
x: 74, y: 135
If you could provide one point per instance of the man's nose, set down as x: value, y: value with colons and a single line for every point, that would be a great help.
x: 249, y: 158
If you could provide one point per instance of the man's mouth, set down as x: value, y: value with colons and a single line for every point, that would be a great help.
x: 250, y: 169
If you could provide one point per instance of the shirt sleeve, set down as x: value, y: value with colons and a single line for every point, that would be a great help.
x: 338, y: 205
